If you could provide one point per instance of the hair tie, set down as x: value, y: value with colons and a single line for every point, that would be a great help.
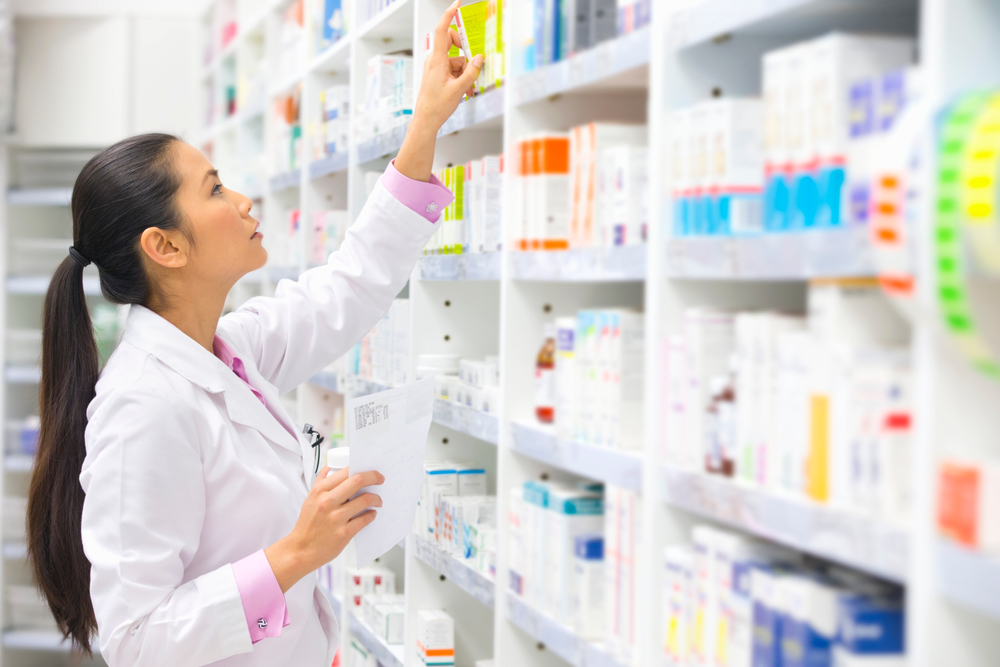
x: 79, y: 258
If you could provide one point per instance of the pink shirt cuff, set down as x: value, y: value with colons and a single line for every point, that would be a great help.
x: 263, y: 601
x: 427, y: 199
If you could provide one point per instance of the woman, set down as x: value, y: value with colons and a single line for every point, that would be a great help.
x: 172, y: 510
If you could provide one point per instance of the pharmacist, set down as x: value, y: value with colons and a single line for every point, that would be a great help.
x: 172, y: 509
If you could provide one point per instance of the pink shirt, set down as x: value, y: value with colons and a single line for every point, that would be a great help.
x: 263, y: 601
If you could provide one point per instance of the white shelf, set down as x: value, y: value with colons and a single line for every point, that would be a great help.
x: 611, y: 466
x: 968, y: 578
x: 388, y: 655
x: 336, y: 56
x: 330, y: 164
x: 777, y: 256
x: 18, y: 462
x: 834, y: 534
x: 557, y: 637
x: 39, y: 196
x: 14, y: 550
x: 382, y: 145
x: 22, y: 374
x: 463, y: 575
x: 613, y: 64
x: 348, y: 385
x: 36, y: 640
x: 789, y: 19
x: 285, y: 181
x: 39, y: 285
x: 615, y: 264
x: 472, y: 266
x: 393, y: 22
x: 464, y: 419
x: 477, y: 112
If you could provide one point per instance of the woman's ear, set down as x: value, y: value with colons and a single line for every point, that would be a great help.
x: 166, y: 248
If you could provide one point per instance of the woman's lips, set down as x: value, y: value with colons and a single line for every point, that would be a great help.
x: 256, y: 232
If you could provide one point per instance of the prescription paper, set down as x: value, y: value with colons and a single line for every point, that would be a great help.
x: 387, y: 432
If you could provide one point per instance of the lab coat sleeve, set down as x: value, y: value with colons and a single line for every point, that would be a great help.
x: 141, y: 527
x: 310, y: 323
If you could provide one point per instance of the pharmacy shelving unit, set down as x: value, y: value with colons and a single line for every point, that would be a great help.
x: 35, y: 231
x: 477, y: 305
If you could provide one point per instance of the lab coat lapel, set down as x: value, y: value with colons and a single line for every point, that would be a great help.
x: 245, y: 408
x: 270, y: 394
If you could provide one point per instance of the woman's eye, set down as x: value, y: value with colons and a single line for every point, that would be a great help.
x: 217, y: 189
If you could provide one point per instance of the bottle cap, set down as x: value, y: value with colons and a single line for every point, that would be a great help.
x: 338, y: 458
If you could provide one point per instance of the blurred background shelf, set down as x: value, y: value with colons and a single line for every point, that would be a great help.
x: 611, y: 466
x: 473, y: 266
x: 834, y: 534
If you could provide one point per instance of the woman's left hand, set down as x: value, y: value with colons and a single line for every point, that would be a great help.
x: 444, y: 82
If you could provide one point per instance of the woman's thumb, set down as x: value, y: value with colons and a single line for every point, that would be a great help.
x: 472, y: 70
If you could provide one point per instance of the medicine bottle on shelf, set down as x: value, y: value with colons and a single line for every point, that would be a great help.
x: 545, y: 377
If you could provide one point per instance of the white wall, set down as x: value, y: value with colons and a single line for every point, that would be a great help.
x: 90, y: 81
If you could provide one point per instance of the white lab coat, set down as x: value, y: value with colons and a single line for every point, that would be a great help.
x: 187, y: 472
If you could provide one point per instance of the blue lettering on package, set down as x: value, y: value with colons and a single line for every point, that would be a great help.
x: 861, y: 121
x: 766, y: 637
x: 892, y: 99
x: 806, y: 198
x: 831, y: 189
x: 801, y: 646
x: 871, y: 626
x: 860, y: 197
x: 777, y: 197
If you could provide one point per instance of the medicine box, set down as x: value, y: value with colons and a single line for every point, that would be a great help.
x: 435, y: 637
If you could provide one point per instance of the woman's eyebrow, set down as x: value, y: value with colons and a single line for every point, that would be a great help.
x: 211, y: 172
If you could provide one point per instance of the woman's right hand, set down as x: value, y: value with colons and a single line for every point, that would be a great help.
x: 328, y: 521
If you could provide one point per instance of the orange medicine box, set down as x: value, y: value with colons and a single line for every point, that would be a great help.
x: 969, y: 503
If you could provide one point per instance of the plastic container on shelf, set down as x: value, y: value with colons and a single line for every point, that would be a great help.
x: 28, y: 609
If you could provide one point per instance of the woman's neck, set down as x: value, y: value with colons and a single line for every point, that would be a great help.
x: 197, y: 315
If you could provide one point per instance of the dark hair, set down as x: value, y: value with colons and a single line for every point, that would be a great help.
x: 121, y: 192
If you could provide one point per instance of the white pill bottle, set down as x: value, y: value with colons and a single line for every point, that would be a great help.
x: 338, y: 458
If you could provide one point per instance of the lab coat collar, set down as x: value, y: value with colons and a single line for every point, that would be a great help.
x: 149, y: 332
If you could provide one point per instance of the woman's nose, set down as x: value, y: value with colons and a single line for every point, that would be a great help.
x: 246, y: 206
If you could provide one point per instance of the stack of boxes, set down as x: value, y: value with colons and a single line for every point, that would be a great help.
x: 331, y: 21
x: 599, y: 371
x: 326, y: 235
x: 469, y: 382
x: 435, y: 637
x: 731, y: 600
x: 389, y: 95
x: 383, y: 355
x: 471, y: 223
x: 816, y: 406
x: 455, y: 513
x: 802, y: 157
x: 287, y: 147
x: 572, y: 555
x: 336, y: 125
x: 562, y: 28
x: 582, y: 189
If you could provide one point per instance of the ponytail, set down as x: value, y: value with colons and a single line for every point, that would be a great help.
x: 55, y: 497
x: 121, y: 192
